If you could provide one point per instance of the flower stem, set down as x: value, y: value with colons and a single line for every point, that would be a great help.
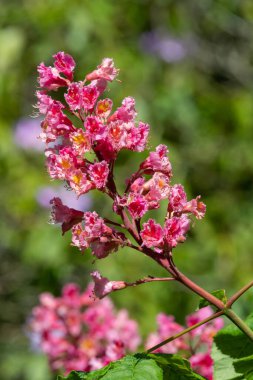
x: 168, y: 264
x: 239, y: 294
x: 200, y: 291
x: 239, y: 323
x: 108, y: 221
x: 173, y: 337
x: 149, y: 279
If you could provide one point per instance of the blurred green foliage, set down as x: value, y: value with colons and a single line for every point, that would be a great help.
x: 199, y: 104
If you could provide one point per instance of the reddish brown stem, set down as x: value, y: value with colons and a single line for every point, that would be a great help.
x: 168, y: 264
x: 200, y: 291
x: 108, y: 221
x: 129, y: 226
x: 239, y: 294
x: 149, y: 279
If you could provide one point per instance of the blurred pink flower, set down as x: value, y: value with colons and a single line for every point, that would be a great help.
x: 78, y: 332
x: 196, y: 345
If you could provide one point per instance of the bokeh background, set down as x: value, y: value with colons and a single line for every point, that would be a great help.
x: 189, y: 66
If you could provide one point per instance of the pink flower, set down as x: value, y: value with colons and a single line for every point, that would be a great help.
x: 137, y: 205
x: 196, y: 345
x: 118, y: 135
x: 44, y: 101
x: 152, y: 234
x: 105, y: 149
x: 95, y: 226
x: 68, y: 217
x: 78, y: 335
x: 202, y: 363
x: 103, y: 108
x: 177, y: 198
x: 74, y: 330
x: 65, y: 64
x: 195, y: 207
x: 157, y: 188
x: 100, y: 85
x: 55, y: 123
x: 74, y: 323
x: 61, y: 165
x: 80, y: 141
x: 79, y: 237
x: 94, y: 128
x: 166, y: 327
x: 73, y: 96
x: 205, y: 332
x: 81, y: 97
x: 71, y: 295
x: 105, y: 71
x: 137, y: 137
x: 94, y: 233
x: 126, y: 112
x: 175, y: 230
x: 79, y: 182
x: 89, y: 95
x: 138, y: 185
x: 125, y: 330
x: 198, y: 316
x: 48, y: 300
x: 49, y: 78
x: 103, y: 286
x: 178, y: 203
x: 114, y: 351
x: 98, y: 173
x: 158, y: 161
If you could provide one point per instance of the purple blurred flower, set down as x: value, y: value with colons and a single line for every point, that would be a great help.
x: 68, y: 197
x: 26, y: 134
x: 166, y: 47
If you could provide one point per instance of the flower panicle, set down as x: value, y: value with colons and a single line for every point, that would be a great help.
x: 83, y: 154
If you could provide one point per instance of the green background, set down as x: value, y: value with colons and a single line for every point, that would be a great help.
x: 199, y: 103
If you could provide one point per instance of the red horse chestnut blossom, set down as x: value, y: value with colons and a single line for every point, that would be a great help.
x: 84, y: 154
x: 84, y: 132
x: 78, y: 332
x: 196, y: 345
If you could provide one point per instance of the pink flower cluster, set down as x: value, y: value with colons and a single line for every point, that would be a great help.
x: 88, y: 229
x: 78, y: 332
x: 195, y: 346
x: 83, y: 136
x: 104, y: 133
x: 176, y: 223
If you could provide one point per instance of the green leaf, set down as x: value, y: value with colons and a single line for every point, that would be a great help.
x: 220, y: 294
x: 128, y: 368
x: 249, y: 376
x: 232, y: 353
x: 244, y: 365
x: 141, y: 367
x: 233, y: 342
x: 134, y: 368
x: 74, y: 375
x: 175, y: 367
x: 223, y: 366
